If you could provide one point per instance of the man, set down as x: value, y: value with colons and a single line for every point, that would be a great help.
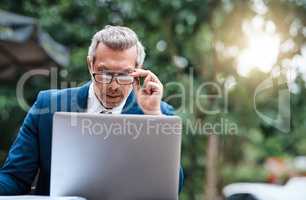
x: 115, y: 60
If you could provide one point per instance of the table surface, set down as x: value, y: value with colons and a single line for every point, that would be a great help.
x: 30, y: 197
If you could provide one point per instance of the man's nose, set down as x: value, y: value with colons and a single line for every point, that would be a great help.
x: 114, y: 85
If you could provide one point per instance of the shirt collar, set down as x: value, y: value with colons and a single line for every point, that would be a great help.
x: 94, y: 105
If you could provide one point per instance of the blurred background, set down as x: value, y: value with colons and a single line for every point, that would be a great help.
x: 248, y: 125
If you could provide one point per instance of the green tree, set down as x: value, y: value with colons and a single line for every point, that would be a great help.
x: 191, y: 42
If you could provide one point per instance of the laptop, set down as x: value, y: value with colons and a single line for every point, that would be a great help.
x: 115, y: 157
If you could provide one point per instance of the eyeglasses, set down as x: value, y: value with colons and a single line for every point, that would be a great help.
x: 107, y: 78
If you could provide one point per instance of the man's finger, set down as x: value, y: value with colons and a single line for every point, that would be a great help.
x: 146, y: 73
x: 147, y: 79
x: 136, y: 85
x: 153, y: 87
x: 140, y: 73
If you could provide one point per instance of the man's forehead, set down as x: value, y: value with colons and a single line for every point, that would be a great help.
x: 105, y: 54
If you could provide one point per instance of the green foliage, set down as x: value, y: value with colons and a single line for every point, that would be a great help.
x: 181, y: 39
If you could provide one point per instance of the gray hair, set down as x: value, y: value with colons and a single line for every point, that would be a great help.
x: 117, y: 38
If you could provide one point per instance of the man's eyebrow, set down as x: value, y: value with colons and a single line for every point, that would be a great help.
x: 130, y: 69
x: 102, y: 66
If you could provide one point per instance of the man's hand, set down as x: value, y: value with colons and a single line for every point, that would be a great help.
x: 149, y: 96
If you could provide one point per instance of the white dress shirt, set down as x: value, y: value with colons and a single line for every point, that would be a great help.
x: 94, y: 105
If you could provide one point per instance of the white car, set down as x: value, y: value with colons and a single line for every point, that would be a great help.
x: 294, y: 189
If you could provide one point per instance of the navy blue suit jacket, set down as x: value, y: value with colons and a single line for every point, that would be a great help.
x: 31, y: 150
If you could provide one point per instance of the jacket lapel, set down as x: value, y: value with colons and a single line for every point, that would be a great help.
x: 79, y: 101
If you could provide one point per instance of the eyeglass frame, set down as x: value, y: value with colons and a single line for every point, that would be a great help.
x: 113, y: 75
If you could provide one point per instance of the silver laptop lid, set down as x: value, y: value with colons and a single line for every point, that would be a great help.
x: 115, y: 157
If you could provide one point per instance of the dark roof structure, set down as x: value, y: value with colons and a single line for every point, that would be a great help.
x: 24, y: 46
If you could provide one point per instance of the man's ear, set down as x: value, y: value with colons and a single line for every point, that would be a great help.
x: 89, y: 64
